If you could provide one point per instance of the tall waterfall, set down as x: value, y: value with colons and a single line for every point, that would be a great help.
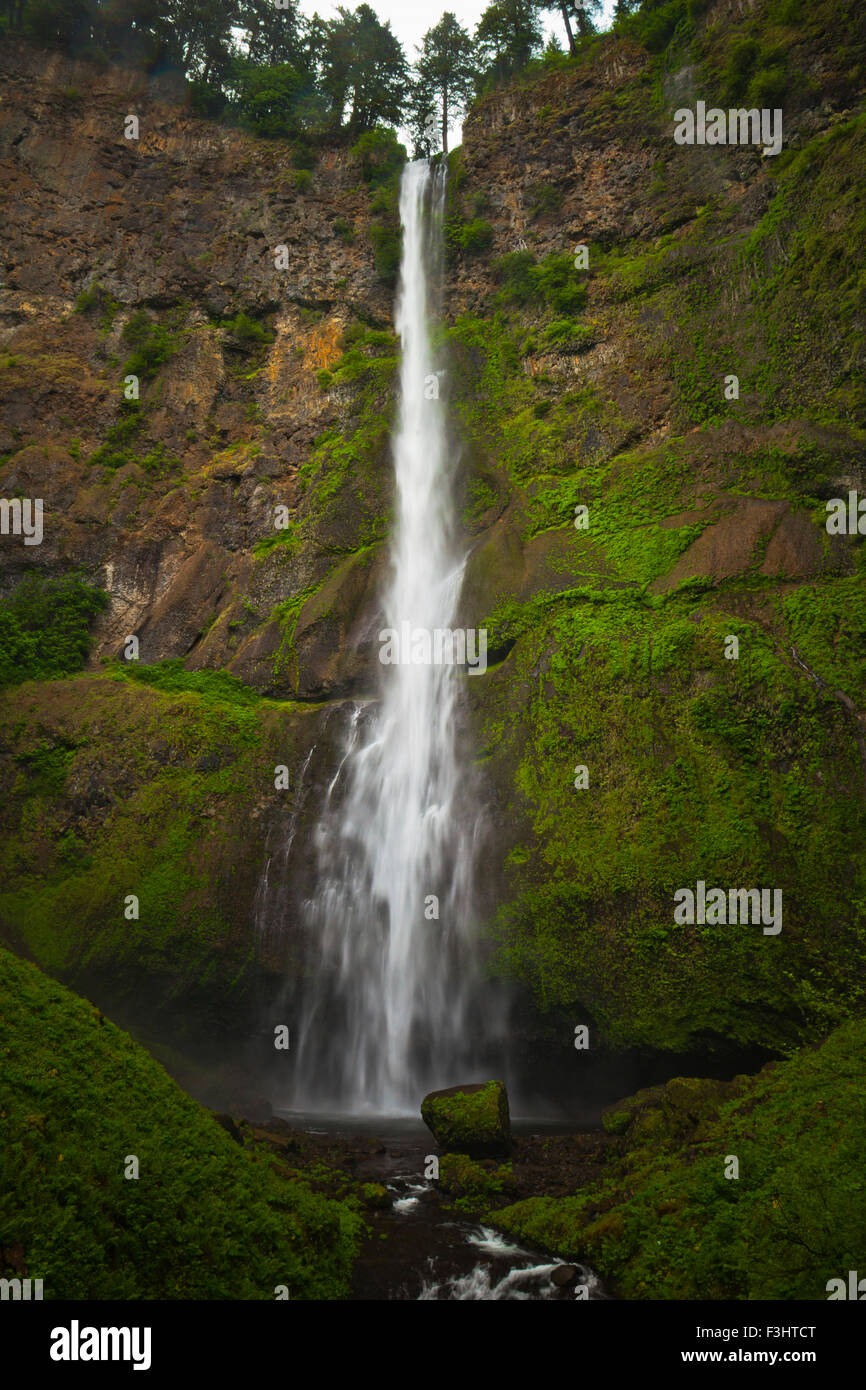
x: 384, y: 1012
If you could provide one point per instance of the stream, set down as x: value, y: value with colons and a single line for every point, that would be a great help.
x: 420, y: 1249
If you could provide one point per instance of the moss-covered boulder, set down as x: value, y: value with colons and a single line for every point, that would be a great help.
x: 470, y: 1120
x: 472, y: 1184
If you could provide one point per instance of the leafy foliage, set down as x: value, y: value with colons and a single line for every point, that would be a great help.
x: 44, y: 627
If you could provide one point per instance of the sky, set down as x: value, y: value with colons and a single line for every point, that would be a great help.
x: 410, y: 20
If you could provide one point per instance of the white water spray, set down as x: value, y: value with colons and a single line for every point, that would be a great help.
x: 385, y: 1007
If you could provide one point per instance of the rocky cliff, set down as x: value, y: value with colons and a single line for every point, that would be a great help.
x: 604, y: 387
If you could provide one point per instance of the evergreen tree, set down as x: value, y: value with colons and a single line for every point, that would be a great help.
x: 268, y: 97
x: 583, y: 12
x: 364, y: 71
x: 273, y: 36
x: 509, y: 36
x: 445, y: 73
x: 61, y: 23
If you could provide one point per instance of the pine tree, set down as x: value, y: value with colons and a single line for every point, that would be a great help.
x: 583, y: 12
x: 364, y: 71
x: 444, y: 80
x: 509, y: 36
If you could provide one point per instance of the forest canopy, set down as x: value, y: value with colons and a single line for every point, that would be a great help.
x: 279, y: 73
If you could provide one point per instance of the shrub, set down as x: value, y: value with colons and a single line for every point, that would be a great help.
x: 569, y: 336
x: 247, y: 330
x: 44, y: 627
x: 552, y: 281
x: 96, y: 297
x: 380, y: 154
x: 768, y: 87
x: 153, y: 345
x: 386, y: 247
x: 473, y: 237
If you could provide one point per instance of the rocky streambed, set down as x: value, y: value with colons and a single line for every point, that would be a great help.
x: 424, y: 1244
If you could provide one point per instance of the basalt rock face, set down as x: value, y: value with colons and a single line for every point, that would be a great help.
x: 676, y: 689
x: 182, y: 224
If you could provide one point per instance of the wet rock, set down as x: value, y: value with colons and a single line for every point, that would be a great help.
x: 228, y: 1124
x: 471, y: 1119
x: 564, y: 1275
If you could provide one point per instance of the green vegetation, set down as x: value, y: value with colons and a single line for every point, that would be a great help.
x: 700, y: 768
x: 247, y: 330
x: 471, y: 1184
x: 470, y: 238
x: 205, y: 1218
x: 45, y: 627
x: 552, y: 282
x: 667, y: 1223
x: 152, y: 344
x: 219, y: 687
x: 96, y: 297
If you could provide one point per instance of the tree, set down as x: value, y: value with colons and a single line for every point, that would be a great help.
x: 65, y: 23
x: 364, y: 69
x: 445, y: 74
x: 273, y: 36
x: 583, y: 12
x: 509, y: 35
x: 204, y: 46
x: 268, y: 97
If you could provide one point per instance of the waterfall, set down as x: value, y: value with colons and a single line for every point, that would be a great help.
x: 384, y: 1011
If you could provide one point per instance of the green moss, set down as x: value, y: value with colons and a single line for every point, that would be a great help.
x: 204, y: 1218
x: 736, y: 773
x: 472, y: 1186
x: 215, y: 687
x: 162, y: 826
x: 470, y: 1122
x: 674, y: 1226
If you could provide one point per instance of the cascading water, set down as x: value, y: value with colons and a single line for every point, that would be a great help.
x: 384, y: 1012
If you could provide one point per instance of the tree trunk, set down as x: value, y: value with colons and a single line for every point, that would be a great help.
x: 445, y: 120
x: 563, y: 9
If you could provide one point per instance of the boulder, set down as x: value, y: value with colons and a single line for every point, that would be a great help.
x: 471, y: 1120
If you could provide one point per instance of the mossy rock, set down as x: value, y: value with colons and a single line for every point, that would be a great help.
x: 471, y: 1120
x: 473, y: 1182
x: 375, y: 1195
x: 616, y: 1121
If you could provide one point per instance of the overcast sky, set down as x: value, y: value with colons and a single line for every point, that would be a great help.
x: 410, y: 20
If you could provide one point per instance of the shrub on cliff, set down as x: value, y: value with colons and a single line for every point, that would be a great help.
x: 552, y: 282
x: 44, y: 627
